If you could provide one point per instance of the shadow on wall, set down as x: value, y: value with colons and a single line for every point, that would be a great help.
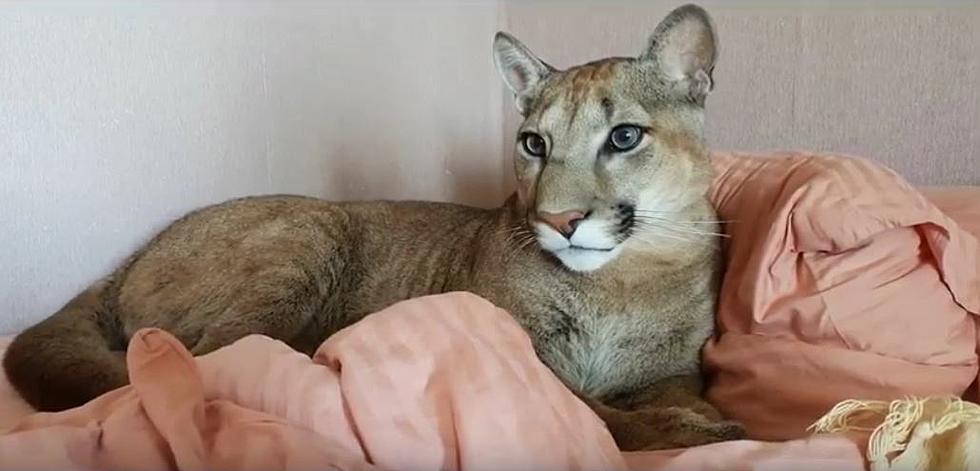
x: 463, y: 167
x: 472, y: 186
x: 466, y: 185
x: 476, y: 174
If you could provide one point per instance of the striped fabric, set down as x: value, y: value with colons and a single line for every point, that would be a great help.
x: 444, y: 382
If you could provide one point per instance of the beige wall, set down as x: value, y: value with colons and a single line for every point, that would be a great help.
x: 116, y: 117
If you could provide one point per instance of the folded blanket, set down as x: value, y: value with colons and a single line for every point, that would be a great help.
x: 441, y: 382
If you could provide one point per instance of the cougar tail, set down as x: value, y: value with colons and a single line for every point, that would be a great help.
x: 69, y: 358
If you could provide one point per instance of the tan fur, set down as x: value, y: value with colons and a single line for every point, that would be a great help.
x: 624, y: 334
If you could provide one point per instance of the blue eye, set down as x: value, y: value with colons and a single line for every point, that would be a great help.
x: 534, y: 144
x: 625, y: 137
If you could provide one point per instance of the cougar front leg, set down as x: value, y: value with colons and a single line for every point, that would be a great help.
x: 671, y: 414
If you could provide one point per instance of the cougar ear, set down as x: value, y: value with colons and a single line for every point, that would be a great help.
x: 684, y: 48
x: 519, y: 67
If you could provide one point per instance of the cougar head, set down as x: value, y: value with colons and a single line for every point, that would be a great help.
x: 608, y: 148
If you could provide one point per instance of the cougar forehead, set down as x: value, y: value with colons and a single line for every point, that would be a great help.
x: 576, y: 85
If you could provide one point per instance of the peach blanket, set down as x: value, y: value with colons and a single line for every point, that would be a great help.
x: 440, y: 382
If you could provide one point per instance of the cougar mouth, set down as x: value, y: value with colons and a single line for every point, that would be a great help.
x: 591, y: 249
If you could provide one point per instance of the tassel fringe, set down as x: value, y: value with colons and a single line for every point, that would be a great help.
x: 912, y: 433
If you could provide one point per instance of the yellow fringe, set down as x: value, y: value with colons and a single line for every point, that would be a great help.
x: 941, y: 433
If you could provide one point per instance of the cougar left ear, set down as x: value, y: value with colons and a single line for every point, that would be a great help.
x: 519, y: 67
x: 684, y: 49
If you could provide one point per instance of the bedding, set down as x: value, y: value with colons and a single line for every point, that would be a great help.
x: 842, y: 281
x: 450, y: 381
x: 12, y: 407
x: 439, y: 382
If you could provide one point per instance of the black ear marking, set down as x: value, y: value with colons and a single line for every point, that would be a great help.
x: 607, y: 108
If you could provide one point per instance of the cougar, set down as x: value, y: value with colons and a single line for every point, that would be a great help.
x: 606, y: 253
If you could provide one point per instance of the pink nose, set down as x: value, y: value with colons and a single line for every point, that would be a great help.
x: 565, y: 223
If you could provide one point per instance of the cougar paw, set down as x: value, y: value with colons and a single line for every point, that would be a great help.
x: 702, y: 431
x: 723, y: 431
x: 687, y: 428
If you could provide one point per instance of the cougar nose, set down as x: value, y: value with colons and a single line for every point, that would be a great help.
x: 565, y: 223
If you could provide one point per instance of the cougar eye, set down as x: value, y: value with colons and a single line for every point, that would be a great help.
x: 625, y: 137
x: 534, y: 144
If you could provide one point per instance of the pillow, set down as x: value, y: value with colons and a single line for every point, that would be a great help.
x: 962, y: 203
x: 843, y: 281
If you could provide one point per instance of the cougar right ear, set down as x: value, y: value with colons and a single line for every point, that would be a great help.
x: 684, y: 48
x: 519, y: 67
